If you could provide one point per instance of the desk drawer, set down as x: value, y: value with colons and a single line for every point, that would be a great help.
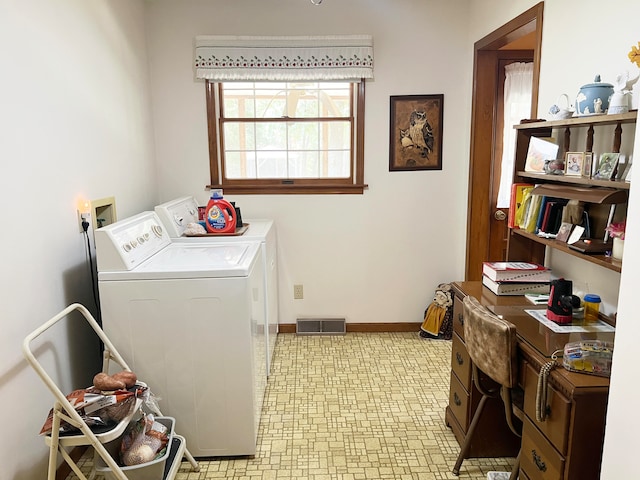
x: 523, y: 476
x: 460, y: 362
x: 556, y: 425
x: 538, y: 459
x: 458, y: 317
x: 459, y: 402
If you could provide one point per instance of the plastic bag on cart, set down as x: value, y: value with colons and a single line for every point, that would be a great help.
x: 98, y: 410
x: 144, y: 441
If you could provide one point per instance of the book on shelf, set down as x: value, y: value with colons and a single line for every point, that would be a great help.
x: 555, y: 216
x: 532, y: 215
x: 517, y: 194
x: 515, y: 288
x: 541, y: 212
x: 523, y: 208
x: 516, y: 272
x: 549, y: 219
x: 592, y: 245
x: 543, y: 225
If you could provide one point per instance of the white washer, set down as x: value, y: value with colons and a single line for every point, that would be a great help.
x: 189, y: 320
x: 177, y: 214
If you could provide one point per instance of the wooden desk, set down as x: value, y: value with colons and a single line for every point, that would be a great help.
x: 568, y: 444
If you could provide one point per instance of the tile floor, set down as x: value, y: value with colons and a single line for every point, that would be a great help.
x: 353, y: 407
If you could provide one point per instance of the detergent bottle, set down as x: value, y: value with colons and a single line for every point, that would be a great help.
x: 220, y: 216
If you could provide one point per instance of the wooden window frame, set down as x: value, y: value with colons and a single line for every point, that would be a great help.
x: 351, y: 185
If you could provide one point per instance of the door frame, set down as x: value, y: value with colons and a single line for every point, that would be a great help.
x: 484, y: 119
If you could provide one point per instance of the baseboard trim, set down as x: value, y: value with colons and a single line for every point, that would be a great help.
x: 363, y: 327
x: 64, y: 470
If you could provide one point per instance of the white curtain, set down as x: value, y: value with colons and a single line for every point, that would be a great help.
x: 225, y: 58
x: 517, y: 106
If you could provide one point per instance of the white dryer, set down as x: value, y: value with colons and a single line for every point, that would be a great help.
x: 189, y: 320
x: 177, y: 214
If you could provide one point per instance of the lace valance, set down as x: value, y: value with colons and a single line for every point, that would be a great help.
x: 224, y: 58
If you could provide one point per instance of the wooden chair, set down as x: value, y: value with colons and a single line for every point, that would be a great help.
x: 491, y: 344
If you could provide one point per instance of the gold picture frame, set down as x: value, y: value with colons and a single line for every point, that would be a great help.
x: 574, y: 164
x: 587, y: 167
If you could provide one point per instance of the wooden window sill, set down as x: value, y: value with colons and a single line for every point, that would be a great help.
x: 327, y: 189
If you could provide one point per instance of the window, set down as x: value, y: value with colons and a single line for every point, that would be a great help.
x: 286, y: 137
x: 285, y: 114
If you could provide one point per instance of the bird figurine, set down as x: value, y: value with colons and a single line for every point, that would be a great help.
x: 619, y: 101
x: 623, y: 83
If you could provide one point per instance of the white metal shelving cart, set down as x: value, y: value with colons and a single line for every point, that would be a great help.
x: 64, y: 411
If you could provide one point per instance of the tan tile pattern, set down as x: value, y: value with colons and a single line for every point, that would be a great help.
x: 353, y: 407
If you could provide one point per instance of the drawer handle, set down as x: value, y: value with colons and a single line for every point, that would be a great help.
x: 456, y: 399
x: 461, y: 319
x: 538, y: 461
x: 459, y: 358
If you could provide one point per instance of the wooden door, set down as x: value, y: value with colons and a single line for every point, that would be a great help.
x: 498, y: 228
x: 487, y: 227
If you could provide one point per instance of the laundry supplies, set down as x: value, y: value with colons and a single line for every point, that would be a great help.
x: 220, y: 215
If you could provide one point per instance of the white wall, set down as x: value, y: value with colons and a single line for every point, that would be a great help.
x: 75, y: 121
x: 375, y: 257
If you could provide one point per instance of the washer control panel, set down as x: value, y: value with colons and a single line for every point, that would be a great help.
x: 124, y: 245
x: 177, y: 214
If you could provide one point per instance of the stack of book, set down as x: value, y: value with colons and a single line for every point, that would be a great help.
x: 539, y: 214
x: 515, y: 278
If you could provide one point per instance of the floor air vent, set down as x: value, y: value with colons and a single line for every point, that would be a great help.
x: 321, y: 326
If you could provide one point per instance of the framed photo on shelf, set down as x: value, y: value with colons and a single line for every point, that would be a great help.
x: 587, y: 166
x: 607, y: 165
x: 415, y: 126
x: 564, y: 231
x: 539, y: 150
x: 574, y: 164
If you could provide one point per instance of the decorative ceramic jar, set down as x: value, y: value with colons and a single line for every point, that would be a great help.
x: 561, y: 110
x: 593, y: 98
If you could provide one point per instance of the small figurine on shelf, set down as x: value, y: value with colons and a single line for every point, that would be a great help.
x: 619, y: 102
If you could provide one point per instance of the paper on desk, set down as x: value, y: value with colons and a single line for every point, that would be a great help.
x: 597, y: 326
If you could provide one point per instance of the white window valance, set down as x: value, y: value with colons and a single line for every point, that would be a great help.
x: 224, y: 58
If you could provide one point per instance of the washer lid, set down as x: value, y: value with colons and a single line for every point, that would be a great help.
x: 182, y: 260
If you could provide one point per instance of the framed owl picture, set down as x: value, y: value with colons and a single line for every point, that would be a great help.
x: 415, y: 140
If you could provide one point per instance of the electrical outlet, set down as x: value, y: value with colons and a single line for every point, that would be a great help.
x: 298, y: 292
x: 82, y: 218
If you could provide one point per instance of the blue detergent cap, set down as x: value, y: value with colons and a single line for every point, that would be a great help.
x: 217, y: 193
